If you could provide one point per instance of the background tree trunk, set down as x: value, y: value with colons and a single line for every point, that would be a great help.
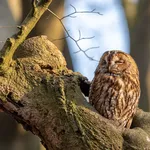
x: 140, y: 49
x: 139, y: 23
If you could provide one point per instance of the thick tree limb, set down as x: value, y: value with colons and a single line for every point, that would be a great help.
x: 28, y: 24
x: 45, y: 97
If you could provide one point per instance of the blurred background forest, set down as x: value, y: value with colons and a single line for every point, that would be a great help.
x: 123, y: 25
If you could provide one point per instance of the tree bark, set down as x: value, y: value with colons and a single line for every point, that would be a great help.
x: 45, y: 97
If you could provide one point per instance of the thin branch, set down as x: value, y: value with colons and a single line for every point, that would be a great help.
x: 87, y: 49
x: 80, y: 38
x: 72, y: 16
x: 85, y: 38
x: 79, y: 35
x: 91, y: 48
x: 80, y: 12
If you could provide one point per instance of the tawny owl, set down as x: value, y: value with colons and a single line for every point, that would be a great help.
x: 115, y: 89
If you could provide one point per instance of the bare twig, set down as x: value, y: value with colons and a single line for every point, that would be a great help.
x: 80, y: 36
x: 85, y: 38
x: 87, y: 49
x: 80, y: 12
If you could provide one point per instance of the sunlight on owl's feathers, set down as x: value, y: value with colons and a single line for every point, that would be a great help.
x: 115, y: 89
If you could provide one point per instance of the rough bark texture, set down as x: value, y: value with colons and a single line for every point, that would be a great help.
x: 45, y: 97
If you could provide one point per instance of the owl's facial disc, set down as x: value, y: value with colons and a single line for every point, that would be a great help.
x: 114, y: 63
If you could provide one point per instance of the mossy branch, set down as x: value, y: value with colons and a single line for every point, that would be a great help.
x: 7, y: 52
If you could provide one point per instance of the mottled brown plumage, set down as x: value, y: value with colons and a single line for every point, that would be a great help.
x: 115, y: 89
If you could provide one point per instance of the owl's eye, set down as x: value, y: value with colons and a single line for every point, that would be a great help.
x: 119, y: 61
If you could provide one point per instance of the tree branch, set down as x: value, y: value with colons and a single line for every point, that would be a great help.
x: 80, y: 12
x: 28, y: 24
x: 46, y: 98
x: 80, y: 38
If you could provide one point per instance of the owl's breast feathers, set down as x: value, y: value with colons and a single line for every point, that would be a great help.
x: 115, y: 97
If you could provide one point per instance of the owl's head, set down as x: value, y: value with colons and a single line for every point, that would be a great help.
x: 117, y: 63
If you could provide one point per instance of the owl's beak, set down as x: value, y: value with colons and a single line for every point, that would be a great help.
x: 109, y: 68
x: 112, y: 68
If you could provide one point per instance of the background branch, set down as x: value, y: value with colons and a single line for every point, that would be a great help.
x: 80, y: 37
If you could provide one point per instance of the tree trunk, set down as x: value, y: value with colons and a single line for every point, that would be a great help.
x: 140, y: 49
x: 138, y: 19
